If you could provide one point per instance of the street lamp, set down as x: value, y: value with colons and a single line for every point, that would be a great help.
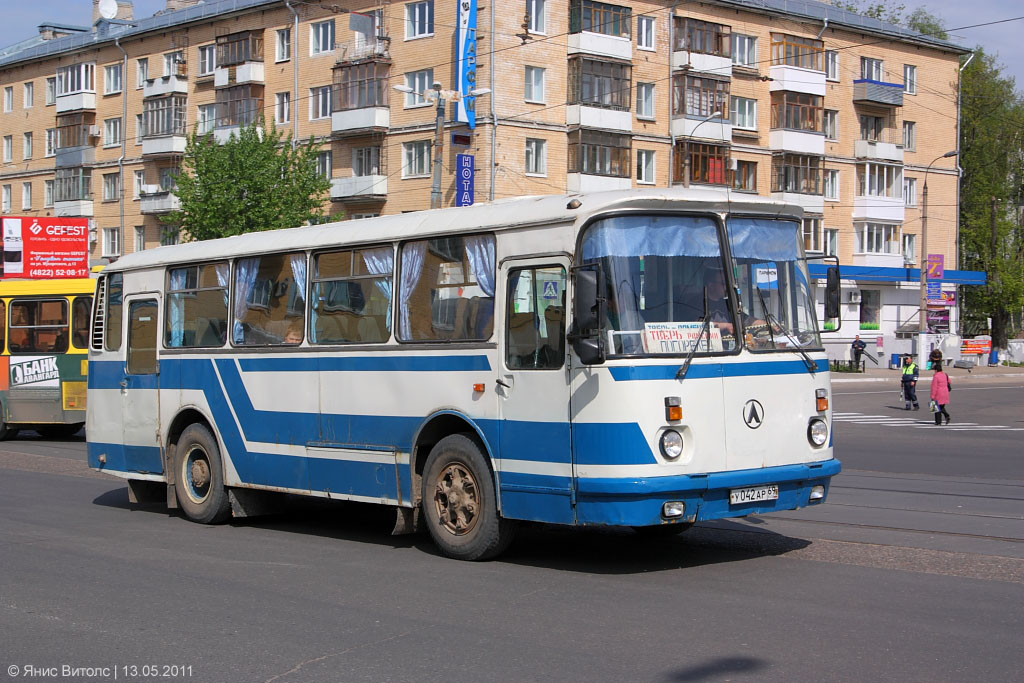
x: 441, y: 96
x: 686, y: 156
x: 922, y: 323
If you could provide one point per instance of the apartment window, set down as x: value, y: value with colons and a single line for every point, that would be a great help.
x: 73, y: 184
x: 74, y: 130
x: 419, y: 19
x: 797, y: 111
x: 26, y: 195
x: 361, y: 85
x: 51, y: 142
x: 239, y: 106
x: 702, y: 37
x: 599, y: 84
x: 51, y: 90
x: 416, y: 159
x: 206, y: 121
x: 207, y: 59
x: 366, y: 161
x: 910, y: 248
x: 141, y: 72
x: 283, y: 45
x: 167, y: 178
x: 910, y: 79
x: 744, y: 50
x: 111, y: 242
x: 878, y: 238
x: 5, y: 199
x: 743, y: 112
x: 699, y: 96
x: 799, y: 173
x: 831, y: 65
x: 28, y: 95
x: 534, y: 86
x: 645, y: 32
x: 111, y: 186
x: 282, y: 107
x: 645, y: 166
x: 812, y: 234
x: 8, y: 148
x: 804, y: 53
x: 325, y: 164
x: 138, y: 180
x: 8, y: 99
x: 744, y: 178
x: 321, y: 37
x: 76, y: 78
x: 832, y: 184
x: 645, y: 100
x: 831, y: 124
x: 241, y: 47
x: 536, y: 157
x: 163, y: 116
x: 420, y: 83
x: 26, y: 146
x: 910, y: 191
x: 872, y: 69
x: 47, y: 193
x: 319, y: 102
x: 174, y: 63
x: 111, y: 132
x: 599, y: 17
x: 872, y: 128
x: 909, y: 136
x: 140, y: 238
x: 831, y: 242
x: 536, y: 9
x: 599, y: 153
x: 112, y: 79
x: 879, y: 180
x: 708, y: 163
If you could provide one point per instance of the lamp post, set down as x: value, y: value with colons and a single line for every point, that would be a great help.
x: 686, y: 156
x: 922, y: 323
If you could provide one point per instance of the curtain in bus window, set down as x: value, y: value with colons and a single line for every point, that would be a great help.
x: 222, y: 279
x: 176, y: 308
x: 635, y: 236
x: 381, y: 262
x: 298, y: 264
x: 413, y: 255
x: 480, y: 254
x: 763, y: 238
x: 245, y: 279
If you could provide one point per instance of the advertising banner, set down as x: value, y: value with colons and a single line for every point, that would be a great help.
x: 465, y: 63
x: 938, y: 319
x: 936, y: 267
x: 983, y: 346
x: 45, y: 248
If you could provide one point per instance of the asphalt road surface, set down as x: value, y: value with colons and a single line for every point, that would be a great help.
x: 913, y: 571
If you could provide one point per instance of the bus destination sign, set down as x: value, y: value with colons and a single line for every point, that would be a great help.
x: 44, y: 248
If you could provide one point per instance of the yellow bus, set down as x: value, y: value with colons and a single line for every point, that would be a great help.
x: 43, y: 365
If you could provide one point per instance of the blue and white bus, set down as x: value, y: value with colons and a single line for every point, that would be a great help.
x: 646, y: 358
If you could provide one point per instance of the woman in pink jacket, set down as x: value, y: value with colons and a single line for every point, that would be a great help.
x: 940, y: 393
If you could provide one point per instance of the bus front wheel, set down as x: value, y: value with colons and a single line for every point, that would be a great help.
x: 459, y: 502
x: 199, y: 477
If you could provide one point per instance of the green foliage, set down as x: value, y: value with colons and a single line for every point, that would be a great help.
x: 256, y: 181
x: 920, y: 20
x: 926, y: 23
x: 869, y: 326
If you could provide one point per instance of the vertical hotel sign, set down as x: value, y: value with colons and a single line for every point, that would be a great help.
x: 465, y: 63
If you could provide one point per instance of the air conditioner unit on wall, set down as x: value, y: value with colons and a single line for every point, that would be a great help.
x: 94, y: 131
x: 853, y: 297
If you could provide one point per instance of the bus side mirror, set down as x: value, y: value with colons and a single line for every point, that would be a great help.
x: 832, y: 293
x: 588, y: 311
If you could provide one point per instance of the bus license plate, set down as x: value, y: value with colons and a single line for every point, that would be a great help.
x: 754, y: 494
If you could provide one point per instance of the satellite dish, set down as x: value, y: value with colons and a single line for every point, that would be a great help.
x: 108, y: 9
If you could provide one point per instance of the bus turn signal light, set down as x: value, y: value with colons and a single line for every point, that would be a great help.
x: 821, y: 400
x: 478, y: 387
x: 673, y: 409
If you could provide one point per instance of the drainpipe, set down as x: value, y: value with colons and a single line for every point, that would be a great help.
x: 295, y: 73
x: 494, y: 116
x: 671, y: 56
x: 824, y: 25
x: 124, y: 136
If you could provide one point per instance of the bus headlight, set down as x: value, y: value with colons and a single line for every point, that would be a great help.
x: 671, y: 444
x: 817, y: 432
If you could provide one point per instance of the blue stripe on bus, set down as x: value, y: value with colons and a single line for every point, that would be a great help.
x: 125, y: 458
x: 367, y: 364
x: 635, y: 373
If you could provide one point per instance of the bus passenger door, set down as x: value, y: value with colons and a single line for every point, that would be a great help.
x: 140, y: 392
x: 535, y: 460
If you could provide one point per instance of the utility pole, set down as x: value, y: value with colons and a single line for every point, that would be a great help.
x: 922, y: 322
x: 435, y: 187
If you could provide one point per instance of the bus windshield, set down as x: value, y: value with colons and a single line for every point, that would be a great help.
x: 774, y: 288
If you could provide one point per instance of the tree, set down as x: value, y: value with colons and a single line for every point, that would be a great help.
x: 920, y: 20
x: 255, y: 181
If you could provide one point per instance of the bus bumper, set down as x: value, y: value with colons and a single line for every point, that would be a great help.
x: 638, y: 502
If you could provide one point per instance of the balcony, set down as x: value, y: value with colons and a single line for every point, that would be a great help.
x: 360, y: 121
x: 599, y: 117
x: 879, y: 260
x: 76, y: 102
x: 600, y: 45
x: 155, y: 200
x: 239, y: 59
x: 704, y: 129
x: 73, y: 208
x: 878, y: 149
x: 165, y: 85
x: 796, y: 79
x: 82, y: 155
x: 359, y: 187
x: 874, y: 208
x: 223, y: 133
x: 163, y: 145
x: 866, y: 91
x: 239, y: 74
x: 796, y: 141
x: 584, y: 182
x: 720, y: 66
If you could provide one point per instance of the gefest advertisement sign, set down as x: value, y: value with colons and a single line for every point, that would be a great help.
x: 45, y: 248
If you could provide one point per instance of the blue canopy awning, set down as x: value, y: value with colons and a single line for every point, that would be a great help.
x: 881, y: 274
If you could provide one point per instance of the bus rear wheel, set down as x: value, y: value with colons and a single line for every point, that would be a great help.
x: 199, y: 477
x: 59, y: 431
x: 459, y: 502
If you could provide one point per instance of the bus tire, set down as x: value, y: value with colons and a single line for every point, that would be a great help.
x: 459, y: 502
x: 662, y: 530
x: 199, y: 474
x: 59, y: 431
x: 5, y: 431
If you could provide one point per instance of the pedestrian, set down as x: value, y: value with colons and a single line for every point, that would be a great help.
x: 935, y: 358
x: 941, y: 387
x: 857, y: 350
x: 908, y: 382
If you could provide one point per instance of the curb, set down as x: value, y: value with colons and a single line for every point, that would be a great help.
x: 921, y: 380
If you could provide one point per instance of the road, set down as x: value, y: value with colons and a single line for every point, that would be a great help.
x: 914, y: 571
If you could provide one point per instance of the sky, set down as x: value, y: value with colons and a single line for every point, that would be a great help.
x: 21, y: 18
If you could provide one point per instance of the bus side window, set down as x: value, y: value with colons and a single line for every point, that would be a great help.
x: 112, y: 333
x: 269, y: 300
x: 39, y: 326
x: 536, y: 318
x: 81, y: 309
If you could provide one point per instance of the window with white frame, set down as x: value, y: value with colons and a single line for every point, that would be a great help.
x: 536, y: 157
x: 832, y: 184
x: 51, y: 90
x: 419, y: 19
x: 111, y: 132
x: 112, y: 79
x: 26, y: 195
x: 645, y: 166
x: 419, y: 82
x: 207, y: 59
x: 366, y: 161
x: 645, y: 100
x: 909, y: 136
x: 321, y: 37
x: 206, y: 120
x: 111, y: 242
x: 5, y: 199
x: 416, y: 159
x: 744, y: 50
x: 8, y: 148
x: 535, y: 9
x: 910, y: 79
x: 831, y: 244
x: 872, y: 69
x: 319, y: 102
x: 831, y: 65
x: 47, y: 193
x: 51, y: 142
x: 910, y: 248
x: 743, y: 112
x: 879, y: 180
x: 910, y: 191
x: 173, y: 62
x: 26, y: 145
x: 140, y: 238
x: 138, y: 180
x: 831, y: 124
x: 325, y: 163
x: 645, y: 32
x: 812, y: 234
x: 744, y: 178
x: 283, y: 107
x: 141, y: 72
x: 28, y: 95
x: 169, y: 235
x: 534, y: 86
x: 283, y: 45
x: 878, y: 238
x: 111, y: 186
x: 8, y: 99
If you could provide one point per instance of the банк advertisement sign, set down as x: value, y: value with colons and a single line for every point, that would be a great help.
x: 44, y: 248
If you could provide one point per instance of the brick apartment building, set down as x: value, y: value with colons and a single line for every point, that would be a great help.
x: 788, y: 98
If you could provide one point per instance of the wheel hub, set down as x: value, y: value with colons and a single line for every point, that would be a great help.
x: 456, y: 499
x: 200, y: 473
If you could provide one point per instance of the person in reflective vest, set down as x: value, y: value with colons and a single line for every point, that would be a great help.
x: 908, y: 381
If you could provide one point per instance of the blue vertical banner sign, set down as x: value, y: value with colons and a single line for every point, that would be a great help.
x: 465, y: 67
x: 464, y: 179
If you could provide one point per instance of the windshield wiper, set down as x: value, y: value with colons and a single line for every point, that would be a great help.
x: 808, y: 361
x: 705, y: 330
